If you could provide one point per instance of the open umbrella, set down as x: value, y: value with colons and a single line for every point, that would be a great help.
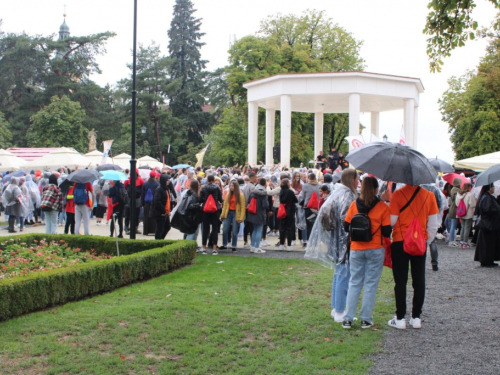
x: 179, y: 166
x: 10, y: 162
x: 336, y: 177
x: 489, y: 176
x: 84, y: 175
x: 65, y: 185
x: 393, y: 162
x: 19, y: 173
x: 113, y: 175
x: 451, y: 176
x: 109, y: 167
x: 441, y: 166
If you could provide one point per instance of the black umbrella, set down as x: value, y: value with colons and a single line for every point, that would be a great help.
x: 84, y: 175
x: 109, y: 167
x: 441, y: 166
x: 489, y: 176
x: 393, y: 162
x: 65, y: 185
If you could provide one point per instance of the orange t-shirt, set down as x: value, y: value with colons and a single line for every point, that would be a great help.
x: 232, y: 203
x: 379, y: 217
x: 423, y: 206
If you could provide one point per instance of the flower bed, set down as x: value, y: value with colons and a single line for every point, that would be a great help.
x: 19, y: 258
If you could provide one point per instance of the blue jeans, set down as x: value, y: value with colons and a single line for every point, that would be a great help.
x: 453, y: 227
x: 230, y: 219
x: 256, y: 235
x: 366, y: 268
x: 193, y: 236
x: 51, y: 221
x: 339, y: 287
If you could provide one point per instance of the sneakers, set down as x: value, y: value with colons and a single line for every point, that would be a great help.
x: 416, y: 323
x: 397, y: 323
x: 464, y: 245
x: 365, y: 324
x: 215, y: 253
x: 246, y: 245
x: 264, y: 243
x: 435, y: 267
x: 339, y: 317
x: 453, y: 244
x: 446, y: 236
x: 257, y: 250
x: 282, y: 247
x: 347, y: 324
x: 233, y: 249
x: 222, y: 248
x: 199, y: 249
x: 332, y: 314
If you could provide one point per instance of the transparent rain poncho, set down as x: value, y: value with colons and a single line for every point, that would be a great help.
x: 329, y: 248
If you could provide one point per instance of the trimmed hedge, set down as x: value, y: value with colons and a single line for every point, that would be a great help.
x: 36, y: 291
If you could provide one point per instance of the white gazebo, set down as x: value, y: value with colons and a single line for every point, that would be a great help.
x: 320, y: 93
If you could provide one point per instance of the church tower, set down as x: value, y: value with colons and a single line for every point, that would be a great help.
x: 63, y: 34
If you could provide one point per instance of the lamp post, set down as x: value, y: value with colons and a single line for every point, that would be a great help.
x: 143, y: 131
x: 385, y: 138
x: 133, y: 161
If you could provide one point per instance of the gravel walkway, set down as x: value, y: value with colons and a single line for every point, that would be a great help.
x: 460, y: 322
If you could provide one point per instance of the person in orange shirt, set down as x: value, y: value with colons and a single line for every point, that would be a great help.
x: 366, y: 258
x: 406, y: 204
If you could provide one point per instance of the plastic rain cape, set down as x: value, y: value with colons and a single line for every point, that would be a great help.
x: 330, y: 248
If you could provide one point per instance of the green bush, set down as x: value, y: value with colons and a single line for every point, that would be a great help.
x: 36, y: 291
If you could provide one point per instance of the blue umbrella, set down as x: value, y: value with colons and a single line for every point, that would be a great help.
x: 179, y: 166
x: 113, y: 175
x: 19, y: 173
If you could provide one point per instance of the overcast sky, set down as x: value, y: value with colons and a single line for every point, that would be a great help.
x: 391, y: 31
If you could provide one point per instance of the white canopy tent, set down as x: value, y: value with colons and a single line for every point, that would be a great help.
x: 479, y: 163
x: 123, y: 160
x: 149, y: 161
x: 62, y: 157
x: 10, y: 162
x: 95, y: 157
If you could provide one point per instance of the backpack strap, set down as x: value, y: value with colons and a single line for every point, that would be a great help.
x: 411, y: 200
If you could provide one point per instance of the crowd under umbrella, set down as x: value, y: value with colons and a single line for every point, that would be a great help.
x: 113, y: 175
x: 393, y: 162
x: 489, y: 176
x: 451, y: 176
x: 109, y: 167
x: 441, y: 166
x: 19, y: 173
x: 83, y: 176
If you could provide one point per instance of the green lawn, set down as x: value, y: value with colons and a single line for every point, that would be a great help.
x: 241, y: 316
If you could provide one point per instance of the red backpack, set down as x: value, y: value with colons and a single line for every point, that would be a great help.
x: 414, y: 239
x: 462, y: 208
x: 313, y: 203
x: 210, y: 207
x: 281, y: 212
x: 252, y: 206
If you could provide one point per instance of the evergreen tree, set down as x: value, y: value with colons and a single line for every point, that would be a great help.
x: 187, y: 96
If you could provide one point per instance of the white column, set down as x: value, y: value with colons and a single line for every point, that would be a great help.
x: 318, y: 133
x: 354, y: 109
x: 415, y: 128
x: 375, y: 123
x: 409, y: 117
x: 270, y: 116
x: 286, y: 129
x: 253, y: 129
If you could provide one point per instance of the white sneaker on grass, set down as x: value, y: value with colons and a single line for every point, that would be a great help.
x: 416, y: 323
x: 397, y: 323
x: 339, y: 317
x: 332, y: 314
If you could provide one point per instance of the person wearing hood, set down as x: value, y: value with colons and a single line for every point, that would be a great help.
x: 210, y: 220
x: 52, y: 204
x: 308, y: 190
x: 452, y: 212
x: 12, y: 199
x: 488, y: 240
x: 26, y: 202
x: 43, y: 180
x: 366, y: 259
x: 466, y: 195
x: 259, y: 218
x: 119, y: 199
x: 338, y: 250
x: 148, y: 190
x: 160, y: 208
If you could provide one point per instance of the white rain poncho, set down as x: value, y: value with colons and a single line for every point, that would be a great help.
x: 34, y: 191
x: 330, y: 248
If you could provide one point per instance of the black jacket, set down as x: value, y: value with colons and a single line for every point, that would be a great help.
x: 188, y: 215
x: 157, y: 209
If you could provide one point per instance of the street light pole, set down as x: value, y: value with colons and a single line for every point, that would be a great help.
x: 133, y: 161
x: 143, y: 131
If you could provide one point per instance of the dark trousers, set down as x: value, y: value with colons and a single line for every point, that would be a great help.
x: 211, y: 225
x: 287, y: 227
x: 70, y: 223
x: 149, y: 223
x: 309, y: 224
x: 162, y: 227
x: 400, y: 262
x: 127, y: 217
x: 434, y: 252
x: 247, y: 230
x: 12, y: 222
x: 118, y: 211
x: 100, y: 211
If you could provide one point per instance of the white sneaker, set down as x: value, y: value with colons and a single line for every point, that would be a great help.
x: 339, y: 317
x: 416, y: 323
x: 397, y: 323
x: 282, y: 247
x: 332, y: 314
x: 246, y: 245
x: 259, y: 251
x: 264, y: 243
x: 293, y: 243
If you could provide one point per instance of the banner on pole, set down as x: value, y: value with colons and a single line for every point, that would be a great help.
x: 106, y: 149
x: 402, y: 138
x: 168, y: 151
x: 199, y: 157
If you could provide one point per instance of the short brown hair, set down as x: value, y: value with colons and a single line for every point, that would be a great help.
x: 368, y: 190
x: 285, y: 183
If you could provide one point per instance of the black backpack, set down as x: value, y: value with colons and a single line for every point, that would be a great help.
x: 361, y: 226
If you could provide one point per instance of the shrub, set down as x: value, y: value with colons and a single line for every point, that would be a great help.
x: 147, y: 259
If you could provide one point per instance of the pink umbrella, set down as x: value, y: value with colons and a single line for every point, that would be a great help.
x: 451, y: 176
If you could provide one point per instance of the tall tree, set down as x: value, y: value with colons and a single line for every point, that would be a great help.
x: 187, y: 97
x: 5, y: 134
x: 59, y: 124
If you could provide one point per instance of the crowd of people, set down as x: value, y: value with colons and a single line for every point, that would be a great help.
x: 357, y: 213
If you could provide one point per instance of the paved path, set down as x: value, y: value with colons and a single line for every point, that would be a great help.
x: 460, y: 323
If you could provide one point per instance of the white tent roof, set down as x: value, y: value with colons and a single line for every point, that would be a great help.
x: 96, y: 158
x: 479, y: 163
x: 148, y: 160
x: 10, y: 162
x: 123, y: 160
x: 63, y: 157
